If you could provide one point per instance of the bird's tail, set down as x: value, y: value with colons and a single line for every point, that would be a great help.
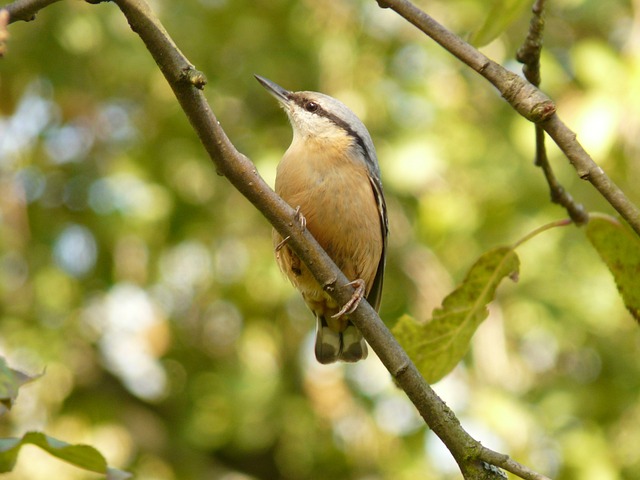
x: 331, y: 346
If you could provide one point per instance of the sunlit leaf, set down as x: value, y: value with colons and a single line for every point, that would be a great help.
x: 502, y: 14
x: 438, y: 345
x: 10, y: 382
x: 620, y: 250
x: 81, y: 456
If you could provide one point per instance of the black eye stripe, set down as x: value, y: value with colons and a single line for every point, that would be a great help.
x: 308, y: 104
x: 303, y: 102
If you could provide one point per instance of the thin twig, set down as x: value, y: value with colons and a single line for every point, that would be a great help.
x: 528, y: 101
x: 25, y: 10
x: 529, y: 55
x: 510, y: 465
x: 559, y: 195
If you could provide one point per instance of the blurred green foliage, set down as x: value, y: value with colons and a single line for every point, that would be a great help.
x: 437, y: 345
x: 146, y: 286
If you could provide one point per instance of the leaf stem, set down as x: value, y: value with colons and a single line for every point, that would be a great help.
x: 558, y: 223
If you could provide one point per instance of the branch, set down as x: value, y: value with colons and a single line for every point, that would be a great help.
x: 187, y: 83
x: 244, y: 176
x: 527, y: 100
x: 26, y: 10
x: 507, y: 463
x: 529, y: 55
x: 529, y: 52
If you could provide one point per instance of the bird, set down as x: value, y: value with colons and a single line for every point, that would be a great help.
x: 331, y: 177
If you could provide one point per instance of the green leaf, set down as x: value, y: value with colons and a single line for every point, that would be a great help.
x: 10, y: 382
x: 619, y: 248
x: 437, y: 346
x: 502, y: 14
x: 82, y: 456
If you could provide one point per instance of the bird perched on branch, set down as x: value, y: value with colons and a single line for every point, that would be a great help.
x: 330, y: 175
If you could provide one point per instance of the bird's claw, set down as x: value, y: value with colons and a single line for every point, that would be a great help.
x: 282, y: 243
x: 302, y: 221
x: 355, y: 299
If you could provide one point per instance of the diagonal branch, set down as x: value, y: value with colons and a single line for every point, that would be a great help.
x: 527, y: 100
x: 243, y: 175
x: 187, y: 83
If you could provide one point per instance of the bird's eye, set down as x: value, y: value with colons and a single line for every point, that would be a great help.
x: 311, y: 106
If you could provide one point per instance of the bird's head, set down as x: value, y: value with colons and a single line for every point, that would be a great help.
x: 316, y: 115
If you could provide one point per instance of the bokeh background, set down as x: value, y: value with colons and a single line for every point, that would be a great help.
x: 145, y: 286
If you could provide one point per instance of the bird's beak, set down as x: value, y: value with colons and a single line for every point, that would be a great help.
x: 274, y: 89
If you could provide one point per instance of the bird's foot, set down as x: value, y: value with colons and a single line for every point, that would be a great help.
x: 301, y: 220
x: 298, y: 217
x: 282, y: 243
x: 355, y: 299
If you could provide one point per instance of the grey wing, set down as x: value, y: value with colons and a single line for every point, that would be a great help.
x: 375, y: 295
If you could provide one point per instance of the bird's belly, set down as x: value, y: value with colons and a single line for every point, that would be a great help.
x: 342, y: 214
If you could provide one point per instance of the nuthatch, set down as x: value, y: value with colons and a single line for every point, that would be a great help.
x: 330, y: 174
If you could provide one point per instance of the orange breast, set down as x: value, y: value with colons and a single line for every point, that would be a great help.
x: 337, y: 200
